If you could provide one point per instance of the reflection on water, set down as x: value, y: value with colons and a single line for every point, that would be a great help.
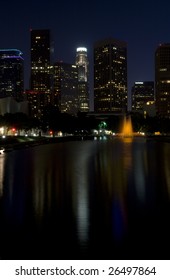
x: 140, y: 173
x: 87, y: 199
x: 2, y: 162
x: 166, y: 150
x: 80, y: 190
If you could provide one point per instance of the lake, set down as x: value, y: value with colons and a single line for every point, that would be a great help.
x: 93, y: 199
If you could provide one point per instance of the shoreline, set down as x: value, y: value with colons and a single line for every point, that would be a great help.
x: 11, y: 143
x: 18, y: 142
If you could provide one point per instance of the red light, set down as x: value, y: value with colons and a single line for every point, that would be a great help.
x: 13, y: 129
x: 51, y: 132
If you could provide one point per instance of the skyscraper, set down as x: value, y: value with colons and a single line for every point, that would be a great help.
x: 11, y: 74
x: 82, y: 64
x: 110, y: 76
x: 65, y: 87
x: 41, y: 68
x: 162, y: 80
x: 142, y: 92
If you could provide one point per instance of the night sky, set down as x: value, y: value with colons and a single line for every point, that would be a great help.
x: 142, y: 24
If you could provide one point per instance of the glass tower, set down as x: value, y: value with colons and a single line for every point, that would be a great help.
x: 142, y: 92
x: 82, y: 64
x: 11, y: 74
x: 110, y: 76
x: 40, y: 69
x: 162, y: 80
x: 65, y: 87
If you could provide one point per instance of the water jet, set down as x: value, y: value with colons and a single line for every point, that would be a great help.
x: 127, y: 129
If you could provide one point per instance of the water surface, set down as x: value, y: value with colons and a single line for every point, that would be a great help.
x: 106, y: 199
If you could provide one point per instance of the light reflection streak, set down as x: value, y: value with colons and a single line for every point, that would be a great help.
x: 123, y: 173
x: 2, y: 163
x: 127, y: 156
x: 139, y: 174
x: 113, y: 166
x: 119, y: 219
x: 9, y: 170
x: 42, y: 184
x: 82, y: 212
x: 49, y: 181
x: 39, y: 195
x: 81, y: 195
x: 167, y: 165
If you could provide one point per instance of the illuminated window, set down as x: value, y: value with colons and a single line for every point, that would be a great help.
x: 163, y: 69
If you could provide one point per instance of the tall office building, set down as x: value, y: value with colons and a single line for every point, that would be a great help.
x: 66, y: 88
x: 36, y: 101
x: 110, y: 76
x: 162, y: 80
x: 11, y: 74
x: 41, y: 69
x: 82, y: 64
x: 142, y: 93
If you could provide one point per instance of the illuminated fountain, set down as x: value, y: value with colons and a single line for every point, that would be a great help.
x: 127, y: 129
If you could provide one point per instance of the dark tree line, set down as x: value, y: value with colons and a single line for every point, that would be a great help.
x: 56, y: 121
x: 18, y: 120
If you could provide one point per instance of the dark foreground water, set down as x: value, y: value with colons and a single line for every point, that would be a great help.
x: 106, y: 199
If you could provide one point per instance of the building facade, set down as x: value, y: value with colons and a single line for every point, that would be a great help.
x: 41, y: 70
x: 36, y: 101
x: 162, y: 80
x: 66, y: 87
x: 110, y: 76
x: 142, y: 93
x: 11, y: 74
x: 82, y: 64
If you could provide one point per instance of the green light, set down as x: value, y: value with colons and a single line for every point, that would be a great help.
x: 102, y: 125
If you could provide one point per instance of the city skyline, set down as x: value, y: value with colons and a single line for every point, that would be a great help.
x: 77, y: 185
x: 143, y: 27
